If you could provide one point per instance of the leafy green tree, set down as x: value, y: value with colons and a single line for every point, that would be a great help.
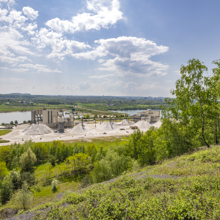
x: 24, y: 197
x: 6, y: 190
x: 214, y: 95
x: 15, y: 178
x: 3, y: 170
x: 27, y: 160
x: 192, y: 98
x: 78, y: 161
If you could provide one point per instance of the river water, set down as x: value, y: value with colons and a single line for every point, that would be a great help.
x: 133, y: 112
x: 12, y: 116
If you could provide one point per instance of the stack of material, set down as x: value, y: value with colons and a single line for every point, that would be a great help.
x: 78, y: 129
x: 157, y: 124
x: 105, y: 126
x: 37, y: 129
x: 125, y: 122
x: 142, y: 124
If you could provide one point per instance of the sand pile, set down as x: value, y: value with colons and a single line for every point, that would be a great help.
x: 105, y: 126
x: 125, y: 122
x: 142, y: 124
x: 78, y: 129
x: 157, y: 124
x: 37, y: 129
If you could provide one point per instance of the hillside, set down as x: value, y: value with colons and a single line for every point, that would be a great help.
x: 186, y: 187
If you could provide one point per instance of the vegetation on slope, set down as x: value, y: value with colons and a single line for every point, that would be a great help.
x: 194, y: 195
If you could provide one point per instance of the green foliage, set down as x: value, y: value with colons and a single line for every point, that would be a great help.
x: 4, y: 132
x: 24, y: 197
x: 52, y: 160
x: 54, y: 185
x: 3, y: 170
x: 6, y: 190
x: 148, y: 198
x: 15, y: 179
x: 110, y: 166
x: 27, y: 160
x: 78, y: 161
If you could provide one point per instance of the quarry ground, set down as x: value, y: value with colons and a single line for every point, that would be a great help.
x: 17, y: 136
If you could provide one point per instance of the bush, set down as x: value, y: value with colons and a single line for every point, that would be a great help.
x: 54, y: 185
x: 52, y: 160
x: 28, y: 159
x: 24, y: 197
x: 6, y: 190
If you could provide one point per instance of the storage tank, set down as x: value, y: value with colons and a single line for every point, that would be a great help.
x: 71, y: 118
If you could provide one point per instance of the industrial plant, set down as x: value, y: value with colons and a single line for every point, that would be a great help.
x: 52, y: 118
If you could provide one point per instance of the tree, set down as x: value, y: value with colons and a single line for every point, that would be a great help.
x: 24, y: 197
x: 214, y: 94
x: 54, y: 185
x: 78, y: 161
x: 190, y: 104
x: 3, y: 170
x: 6, y: 190
x: 27, y: 160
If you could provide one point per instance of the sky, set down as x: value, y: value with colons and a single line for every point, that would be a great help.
x: 104, y: 47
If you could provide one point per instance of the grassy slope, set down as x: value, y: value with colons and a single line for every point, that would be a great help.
x: 195, y: 195
x: 45, y: 194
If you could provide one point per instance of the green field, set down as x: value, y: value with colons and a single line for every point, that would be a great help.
x: 4, y: 132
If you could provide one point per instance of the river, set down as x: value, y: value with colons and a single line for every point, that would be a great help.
x: 133, y: 112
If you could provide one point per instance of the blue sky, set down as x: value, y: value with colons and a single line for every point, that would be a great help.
x: 103, y: 47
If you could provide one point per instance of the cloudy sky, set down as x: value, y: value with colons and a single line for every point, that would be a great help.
x: 103, y: 47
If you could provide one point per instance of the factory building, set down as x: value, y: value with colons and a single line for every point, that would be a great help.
x: 52, y: 118
x: 148, y: 115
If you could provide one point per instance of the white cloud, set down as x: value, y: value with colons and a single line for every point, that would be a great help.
x: 12, y: 43
x: 127, y: 56
x: 30, y: 28
x: 39, y: 68
x: 30, y: 12
x: 101, y: 76
x: 105, y: 13
x: 59, y: 45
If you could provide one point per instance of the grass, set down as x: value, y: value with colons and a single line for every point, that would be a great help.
x: 195, y: 195
x: 4, y: 132
x: 66, y: 184
x: 3, y: 141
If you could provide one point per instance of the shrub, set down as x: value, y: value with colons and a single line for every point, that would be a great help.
x: 24, y: 197
x: 54, y: 185
x: 27, y: 160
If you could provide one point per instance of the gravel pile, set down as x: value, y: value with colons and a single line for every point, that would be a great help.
x: 125, y: 122
x: 157, y: 124
x: 37, y: 129
x: 78, y: 129
x: 105, y: 126
x: 142, y: 124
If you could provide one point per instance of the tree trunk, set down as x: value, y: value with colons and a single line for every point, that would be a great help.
x: 203, y: 137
